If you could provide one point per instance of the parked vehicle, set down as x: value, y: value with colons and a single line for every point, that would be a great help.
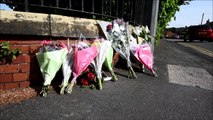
x: 176, y: 36
x: 199, y: 32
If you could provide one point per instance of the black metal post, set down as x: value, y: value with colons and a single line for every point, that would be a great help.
x: 116, y: 8
x: 57, y: 3
x: 26, y: 6
x: 82, y: 5
x: 42, y: 2
x: 93, y: 9
x: 122, y: 8
x: 102, y: 8
x: 131, y: 12
x: 70, y: 4
x: 110, y: 7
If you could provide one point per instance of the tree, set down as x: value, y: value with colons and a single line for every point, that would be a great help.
x: 167, y: 11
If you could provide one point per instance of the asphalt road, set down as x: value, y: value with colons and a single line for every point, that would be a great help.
x: 202, y: 51
x: 205, y: 44
x: 145, y: 98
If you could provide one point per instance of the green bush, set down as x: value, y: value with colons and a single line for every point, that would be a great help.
x: 7, y: 55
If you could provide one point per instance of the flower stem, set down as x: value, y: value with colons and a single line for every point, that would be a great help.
x: 114, y: 78
x: 70, y: 87
x: 132, y: 73
x: 62, y: 90
x: 45, y: 90
x: 100, y: 84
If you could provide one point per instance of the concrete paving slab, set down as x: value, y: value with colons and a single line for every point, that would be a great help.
x: 190, y: 76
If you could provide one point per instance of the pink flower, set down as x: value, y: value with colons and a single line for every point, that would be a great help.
x: 46, y: 42
x: 61, y: 44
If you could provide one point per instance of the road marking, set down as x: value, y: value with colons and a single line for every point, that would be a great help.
x: 199, y: 49
x: 190, y: 76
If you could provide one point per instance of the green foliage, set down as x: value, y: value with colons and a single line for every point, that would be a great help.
x: 167, y: 10
x: 7, y: 55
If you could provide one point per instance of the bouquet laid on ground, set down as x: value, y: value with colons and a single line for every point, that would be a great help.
x: 141, y: 49
x: 118, y: 33
x: 144, y: 54
x: 103, y: 49
x: 108, y: 63
x: 67, y: 70
x: 81, y: 60
x: 50, y: 58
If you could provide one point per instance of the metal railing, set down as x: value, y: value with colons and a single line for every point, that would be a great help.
x: 134, y: 11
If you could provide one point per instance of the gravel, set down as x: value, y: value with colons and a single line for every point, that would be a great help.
x: 16, y: 95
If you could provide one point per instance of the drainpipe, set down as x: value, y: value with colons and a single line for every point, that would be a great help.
x: 154, y: 17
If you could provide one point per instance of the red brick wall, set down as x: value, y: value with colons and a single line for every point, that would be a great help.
x: 24, y: 70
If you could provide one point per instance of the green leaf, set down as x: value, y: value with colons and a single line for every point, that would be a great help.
x: 5, y: 53
x: 13, y: 57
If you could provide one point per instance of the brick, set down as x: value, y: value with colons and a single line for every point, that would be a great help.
x: 21, y: 59
x: 25, y: 42
x: 1, y: 86
x: 17, y: 42
x: 24, y: 48
x: 7, y: 77
x: 19, y: 77
x: 27, y: 58
x: 1, y: 69
x: 24, y: 84
x: 34, y: 49
x: 25, y: 67
x: 11, y: 85
x: 11, y: 68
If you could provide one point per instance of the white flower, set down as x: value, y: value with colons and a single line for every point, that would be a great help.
x: 137, y: 30
x: 122, y: 28
x: 147, y: 29
x: 116, y: 28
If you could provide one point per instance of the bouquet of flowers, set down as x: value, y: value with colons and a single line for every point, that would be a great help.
x: 141, y: 50
x: 119, y: 34
x: 81, y: 59
x: 108, y: 63
x: 103, y: 48
x: 107, y: 27
x: 50, y: 58
x: 67, y: 70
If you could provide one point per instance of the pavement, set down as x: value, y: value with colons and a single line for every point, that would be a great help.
x: 144, y: 98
